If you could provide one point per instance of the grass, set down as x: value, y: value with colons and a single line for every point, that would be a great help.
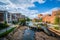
x: 57, y: 28
x: 7, y: 32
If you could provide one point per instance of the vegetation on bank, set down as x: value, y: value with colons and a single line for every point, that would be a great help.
x: 57, y: 18
x: 23, y: 21
x: 57, y: 21
x: 7, y: 32
x: 57, y: 28
x: 3, y: 25
x: 37, y: 20
x: 15, y: 22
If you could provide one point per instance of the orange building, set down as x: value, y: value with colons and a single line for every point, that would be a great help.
x: 49, y: 18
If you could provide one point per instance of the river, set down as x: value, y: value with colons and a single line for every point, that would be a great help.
x: 25, y: 33
x: 32, y: 35
x: 28, y: 34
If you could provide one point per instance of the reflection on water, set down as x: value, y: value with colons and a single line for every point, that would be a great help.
x: 28, y: 34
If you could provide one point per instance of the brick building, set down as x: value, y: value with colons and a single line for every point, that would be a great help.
x: 50, y: 18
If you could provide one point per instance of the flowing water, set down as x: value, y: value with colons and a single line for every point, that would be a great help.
x: 28, y: 34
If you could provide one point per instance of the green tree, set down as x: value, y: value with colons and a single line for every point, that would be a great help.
x: 22, y: 22
x: 57, y: 18
x: 28, y: 19
x: 41, y: 20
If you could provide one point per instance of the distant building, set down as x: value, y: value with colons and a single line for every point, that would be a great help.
x: 9, y: 17
x: 49, y: 18
x: 46, y: 18
x: 40, y: 15
x: 15, y: 16
x: 3, y: 16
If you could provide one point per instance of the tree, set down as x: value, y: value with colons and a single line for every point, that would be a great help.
x: 28, y: 19
x: 40, y: 20
x: 57, y: 18
x: 22, y: 22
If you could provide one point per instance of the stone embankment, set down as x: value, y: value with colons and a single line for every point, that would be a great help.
x: 43, y: 36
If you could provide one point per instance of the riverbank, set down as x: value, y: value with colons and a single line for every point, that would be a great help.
x: 17, y: 34
x: 23, y: 32
x: 42, y: 36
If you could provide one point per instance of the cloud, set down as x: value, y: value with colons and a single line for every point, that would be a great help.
x: 30, y: 13
x: 1, y: 3
x: 22, y: 3
x: 19, y: 6
x: 40, y: 1
x: 2, y: 7
x: 50, y: 11
x: 22, y: 7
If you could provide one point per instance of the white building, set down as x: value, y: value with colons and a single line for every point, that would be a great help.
x: 9, y: 17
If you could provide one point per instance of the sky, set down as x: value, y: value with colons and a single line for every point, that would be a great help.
x: 30, y: 8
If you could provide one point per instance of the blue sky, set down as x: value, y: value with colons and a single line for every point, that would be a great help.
x: 45, y: 6
x: 30, y: 8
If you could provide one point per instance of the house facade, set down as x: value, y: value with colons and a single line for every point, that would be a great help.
x: 3, y: 16
x: 9, y: 17
x: 50, y: 18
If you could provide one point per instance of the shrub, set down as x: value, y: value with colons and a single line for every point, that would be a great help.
x: 57, y: 28
x: 56, y: 21
x: 3, y: 25
x: 22, y: 22
x: 14, y: 22
x: 7, y: 32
